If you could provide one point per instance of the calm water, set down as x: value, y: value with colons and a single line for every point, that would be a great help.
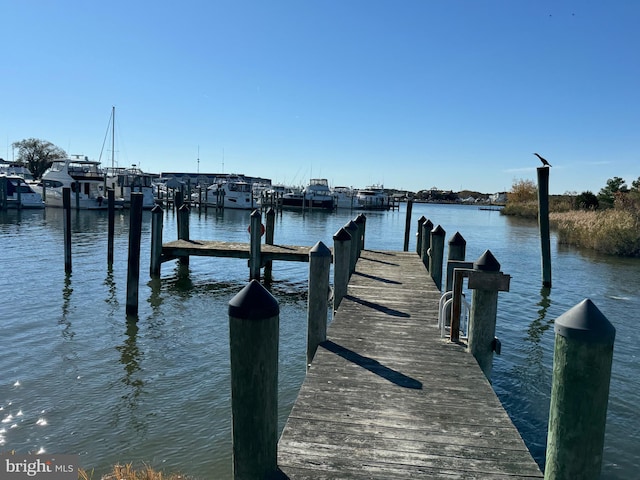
x: 76, y: 378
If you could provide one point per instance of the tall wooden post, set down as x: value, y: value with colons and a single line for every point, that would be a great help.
x: 254, y: 248
x: 582, y: 359
x: 543, y: 223
x: 66, y: 213
x: 111, y: 200
x: 427, y: 226
x: 269, y: 238
x: 352, y: 228
x: 361, y: 222
x: 254, y: 317
x: 78, y: 188
x: 437, y: 255
x: 407, y: 225
x: 318, y: 299
x: 156, y: 241
x: 421, y: 221
x: 342, y: 260
x: 133, y: 270
x: 183, y: 227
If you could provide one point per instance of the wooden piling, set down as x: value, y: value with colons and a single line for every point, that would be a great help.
x: 543, y: 223
x: 486, y: 281
x: 111, y: 200
x: 361, y: 223
x: 66, y: 214
x: 582, y: 359
x: 269, y: 238
x: 342, y: 260
x: 318, y: 298
x: 156, y: 241
x: 407, y: 225
x: 352, y: 228
x: 77, y: 190
x: 436, y: 256
x: 427, y: 226
x: 183, y: 228
x: 421, y: 221
x: 254, y: 248
x: 457, y: 247
x: 253, y: 338
x: 133, y: 264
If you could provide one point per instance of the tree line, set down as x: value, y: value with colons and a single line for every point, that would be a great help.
x: 37, y: 155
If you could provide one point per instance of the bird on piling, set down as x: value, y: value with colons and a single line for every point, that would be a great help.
x: 544, y: 162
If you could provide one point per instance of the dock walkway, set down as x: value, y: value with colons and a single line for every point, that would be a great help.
x: 387, y: 398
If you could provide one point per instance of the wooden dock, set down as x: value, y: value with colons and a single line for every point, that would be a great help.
x: 184, y: 248
x: 387, y: 398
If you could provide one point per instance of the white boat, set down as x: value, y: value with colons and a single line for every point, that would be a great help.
x: 345, y: 197
x: 373, y: 198
x: 82, y: 176
x: 316, y: 195
x: 19, y: 194
x: 125, y: 181
x: 15, y: 170
x: 231, y: 191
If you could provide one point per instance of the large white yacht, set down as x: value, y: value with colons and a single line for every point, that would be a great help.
x: 82, y: 176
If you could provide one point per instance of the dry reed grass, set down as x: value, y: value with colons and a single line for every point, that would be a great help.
x: 614, y: 232
x: 128, y: 472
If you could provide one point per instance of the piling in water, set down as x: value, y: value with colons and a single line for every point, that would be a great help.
x: 352, y: 229
x: 66, y: 213
x: 183, y: 228
x: 407, y: 225
x: 582, y: 359
x: 111, y: 206
x: 133, y: 264
x: 255, y: 227
x: 427, y: 226
x: 421, y: 221
x: 543, y: 223
x: 268, y: 239
x: 253, y: 339
x: 156, y: 241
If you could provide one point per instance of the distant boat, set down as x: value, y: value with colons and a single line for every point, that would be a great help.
x: 125, y: 181
x: 345, y: 197
x: 373, y: 198
x: 316, y: 195
x: 232, y: 191
x: 82, y: 176
x: 16, y: 170
x: 20, y: 194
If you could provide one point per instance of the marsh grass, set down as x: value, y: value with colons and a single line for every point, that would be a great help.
x: 128, y: 472
x: 614, y: 232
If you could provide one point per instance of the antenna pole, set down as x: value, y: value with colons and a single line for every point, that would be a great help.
x: 113, y: 137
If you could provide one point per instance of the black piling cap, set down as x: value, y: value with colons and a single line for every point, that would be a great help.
x: 341, y: 235
x: 438, y: 231
x: 429, y: 224
x: 487, y: 262
x: 586, y: 323
x: 457, y: 239
x: 254, y: 214
x: 422, y: 219
x: 253, y: 302
x: 156, y: 209
x: 320, y: 250
x: 360, y: 219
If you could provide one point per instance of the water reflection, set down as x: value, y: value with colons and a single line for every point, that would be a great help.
x: 112, y: 299
x: 131, y: 358
x: 67, y: 290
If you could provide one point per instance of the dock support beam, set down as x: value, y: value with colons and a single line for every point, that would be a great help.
x: 254, y: 318
x: 582, y: 358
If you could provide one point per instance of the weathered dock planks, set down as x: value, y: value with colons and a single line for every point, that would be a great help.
x: 386, y: 398
x: 182, y: 248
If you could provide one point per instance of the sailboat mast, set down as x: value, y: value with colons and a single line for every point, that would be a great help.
x: 113, y: 137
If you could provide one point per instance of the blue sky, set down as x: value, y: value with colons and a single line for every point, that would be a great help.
x: 412, y: 94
